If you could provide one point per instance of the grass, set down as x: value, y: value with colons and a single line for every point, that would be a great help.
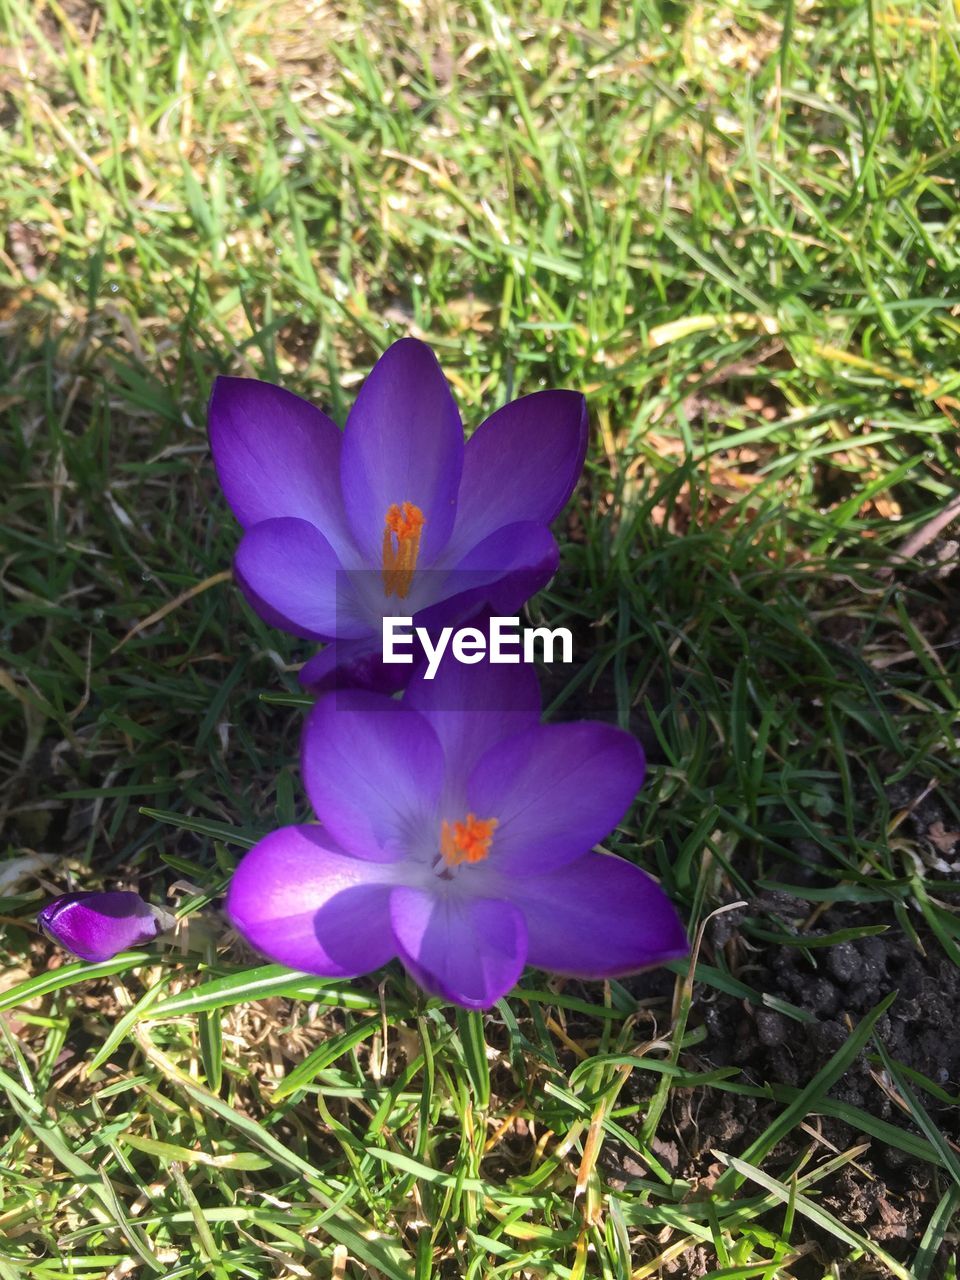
x: 735, y: 227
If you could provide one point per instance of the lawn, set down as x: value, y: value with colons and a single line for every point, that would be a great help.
x: 734, y: 227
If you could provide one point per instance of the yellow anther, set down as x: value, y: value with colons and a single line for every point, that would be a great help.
x: 402, y: 527
x: 467, y: 841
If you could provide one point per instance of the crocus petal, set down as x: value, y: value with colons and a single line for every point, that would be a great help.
x: 473, y: 707
x: 289, y: 566
x: 96, y: 926
x: 270, y: 615
x: 353, y: 664
x: 373, y: 770
x: 469, y: 950
x: 521, y: 464
x: 403, y: 442
x: 302, y: 902
x: 500, y: 574
x: 598, y: 917
x: 555, y: 791
x: 276, y: 455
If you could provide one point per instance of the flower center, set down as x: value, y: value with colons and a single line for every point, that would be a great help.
x: 467, y: 841
x: 401, y: 546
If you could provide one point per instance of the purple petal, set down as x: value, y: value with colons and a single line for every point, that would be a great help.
x: 96, y: 926
x: 469, y: 950
x: 276, y: 455
x: 302, y: 902
x: 373, y: 770
x: 521, y: 464
x: 555, y: 791
x: 270, y: 615
x: 403, y: 443
x: 353, y: 664
x: 288, y: 566
x: 598, y: 917
x: 473, y: 707
x: 500, y: 574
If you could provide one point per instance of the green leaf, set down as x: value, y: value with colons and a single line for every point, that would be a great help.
x: 936, y: 1232
x: 470, y: 1025
x: 305, y: 1072
x: 71, y: 974
x: 812, y: 1211
x: 920, y: 1115
x: 202, y: 827
x: 259, y: 984
x: 184, y: 1155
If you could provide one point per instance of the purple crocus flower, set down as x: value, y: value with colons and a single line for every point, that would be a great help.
x: 456, y: 834
x: 394, y: 515
x: 96, y: 926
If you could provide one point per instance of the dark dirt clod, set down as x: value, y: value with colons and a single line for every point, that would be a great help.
x: 772, y: 1028
x: 887, y: 1194
x: 844, y: 963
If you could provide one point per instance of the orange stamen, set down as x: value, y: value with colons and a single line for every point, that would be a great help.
x: 401, y: 547
x: 467, y: 841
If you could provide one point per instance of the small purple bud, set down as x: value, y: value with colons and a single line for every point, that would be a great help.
x: 96, y: 926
